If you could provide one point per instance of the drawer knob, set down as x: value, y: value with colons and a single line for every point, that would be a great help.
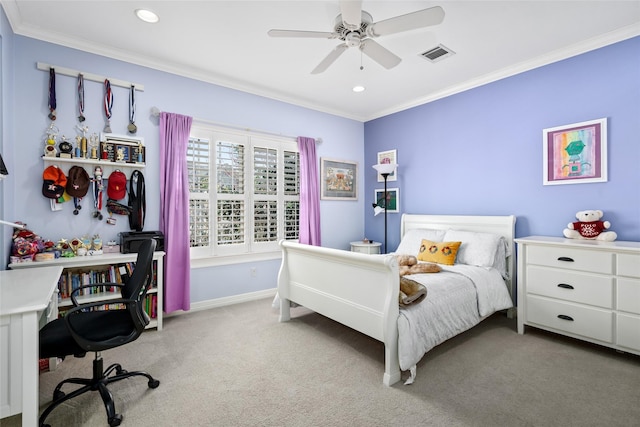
x: 565, y: 286
x: 565, y: 317
x: 565, y: 258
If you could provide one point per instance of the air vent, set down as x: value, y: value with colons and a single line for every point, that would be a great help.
x: 438, y: 53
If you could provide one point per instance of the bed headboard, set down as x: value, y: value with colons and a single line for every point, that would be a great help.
x: 505, y: 226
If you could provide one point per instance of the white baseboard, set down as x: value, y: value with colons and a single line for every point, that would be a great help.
x: 221, y: 302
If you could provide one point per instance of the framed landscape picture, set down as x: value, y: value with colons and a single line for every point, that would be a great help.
x: 338, y: 179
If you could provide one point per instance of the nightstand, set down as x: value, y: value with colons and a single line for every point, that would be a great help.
x: 370, y: 248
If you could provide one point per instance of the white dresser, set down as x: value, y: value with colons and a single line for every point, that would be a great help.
x: 581, y: 288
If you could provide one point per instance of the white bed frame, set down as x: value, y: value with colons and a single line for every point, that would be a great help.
x: 361, y: 290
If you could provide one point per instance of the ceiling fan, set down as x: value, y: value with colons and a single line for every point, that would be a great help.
x: 356, y: 28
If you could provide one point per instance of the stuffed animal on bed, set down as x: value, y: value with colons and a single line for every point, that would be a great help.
x: 408, y: 264
x: 590, y: 227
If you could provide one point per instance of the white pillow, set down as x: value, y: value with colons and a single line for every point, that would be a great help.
x: 477, y: 248
x: 500, y: 262
x: 410, y: 244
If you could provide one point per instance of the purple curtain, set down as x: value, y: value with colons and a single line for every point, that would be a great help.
x: 174, y: 210
x: 309, y: 193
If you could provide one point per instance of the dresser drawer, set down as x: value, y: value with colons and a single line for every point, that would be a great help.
x: 571, y: 258
x: 628, y: 331
x: 571, y: 286
x: 628, y: 298
x: 576, y: 319
x: 628, y: 265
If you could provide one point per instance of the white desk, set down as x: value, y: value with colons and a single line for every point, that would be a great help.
x: 24, y: 295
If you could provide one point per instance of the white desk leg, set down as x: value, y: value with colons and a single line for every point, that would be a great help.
x: 30, y: 355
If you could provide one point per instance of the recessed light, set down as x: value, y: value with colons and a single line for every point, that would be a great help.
x: 358, y: 89
x: 147, y: 16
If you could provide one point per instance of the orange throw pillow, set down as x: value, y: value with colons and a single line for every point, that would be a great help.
x: 438, y: 252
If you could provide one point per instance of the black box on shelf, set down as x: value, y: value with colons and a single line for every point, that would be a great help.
x: 130, y: 241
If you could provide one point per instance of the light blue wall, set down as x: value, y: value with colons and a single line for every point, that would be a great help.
x: 480, y: 152
x: 341, y: 138
x: 6, y: 131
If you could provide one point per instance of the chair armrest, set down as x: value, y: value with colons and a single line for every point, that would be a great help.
x: 78, y: 289
x: 90, y: 345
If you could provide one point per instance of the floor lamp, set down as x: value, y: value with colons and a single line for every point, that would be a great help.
x: 384, y: 169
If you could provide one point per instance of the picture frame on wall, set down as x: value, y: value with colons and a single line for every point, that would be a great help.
x: 575, y: 153
x: 338, y: 180
x: 393, y: 198
x: 389, y: 156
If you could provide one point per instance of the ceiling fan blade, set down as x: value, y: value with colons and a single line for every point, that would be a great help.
x: 410, y: 21
x: 330, y: 59
x: 303, y: 34
x: 380, y: 54
x: 351, y: 11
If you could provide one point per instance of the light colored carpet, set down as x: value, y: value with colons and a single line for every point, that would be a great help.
x: 237, y: 366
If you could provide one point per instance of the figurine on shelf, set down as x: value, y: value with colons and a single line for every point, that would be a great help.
x: 97, y: 242
x: 64, y: 248
x: 50, y: 141
x: 82, y: 141
x: 66, y: 149
x: 93, y: 146
x: 97, y: 246
x: 86, y: 242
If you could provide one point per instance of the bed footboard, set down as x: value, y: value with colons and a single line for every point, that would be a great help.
x: 357, y: 290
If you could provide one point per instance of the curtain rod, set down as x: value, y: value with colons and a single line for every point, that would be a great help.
x: 89, y: 76
x: 156, y: 112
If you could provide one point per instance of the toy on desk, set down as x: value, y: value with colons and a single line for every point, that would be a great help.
x: 96, y: 246
x: 65, y: 249
x: 590, y: 227
x: 25, y: 244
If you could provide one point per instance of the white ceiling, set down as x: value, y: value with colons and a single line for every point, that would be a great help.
x: 226, y: 43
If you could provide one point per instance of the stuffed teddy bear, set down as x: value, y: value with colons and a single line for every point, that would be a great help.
x: 408, y: 264
x: 590, y: 227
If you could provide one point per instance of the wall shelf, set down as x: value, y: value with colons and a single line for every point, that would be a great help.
x: 107, y: 166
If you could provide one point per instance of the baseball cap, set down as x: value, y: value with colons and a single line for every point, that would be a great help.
x: 117, y: 187
x: 78, y: 182
x: 54, y: 182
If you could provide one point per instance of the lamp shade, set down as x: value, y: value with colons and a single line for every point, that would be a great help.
x: 385, y: 168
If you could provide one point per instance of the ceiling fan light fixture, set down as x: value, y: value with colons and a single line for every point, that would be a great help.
x: 147, y: 16
x: 358, y: 89
x: 356, y: 29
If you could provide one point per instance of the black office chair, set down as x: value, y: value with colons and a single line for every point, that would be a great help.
x: 84, y: 329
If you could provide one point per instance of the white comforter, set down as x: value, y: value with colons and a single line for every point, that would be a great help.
x: 458, y: 298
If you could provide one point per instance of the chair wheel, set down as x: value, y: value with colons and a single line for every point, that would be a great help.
x: 58, y: 394
x: 115, y: 420
x: 154, y: 384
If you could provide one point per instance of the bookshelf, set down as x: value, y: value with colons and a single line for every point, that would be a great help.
x: 96, y: 269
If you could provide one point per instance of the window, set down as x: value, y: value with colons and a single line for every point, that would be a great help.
x: 244, y: 192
